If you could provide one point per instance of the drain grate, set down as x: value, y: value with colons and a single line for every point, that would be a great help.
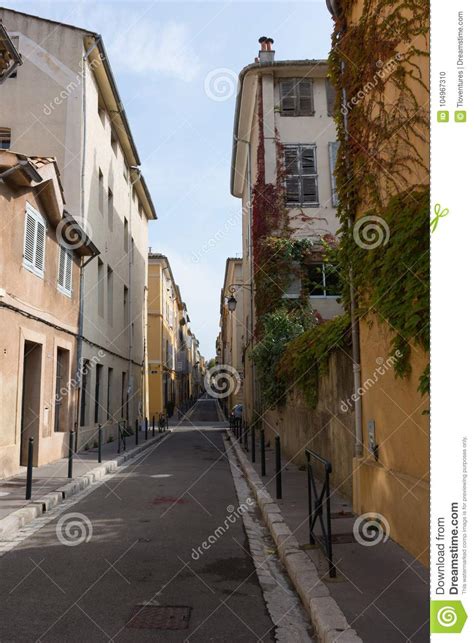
x: 160, y: 617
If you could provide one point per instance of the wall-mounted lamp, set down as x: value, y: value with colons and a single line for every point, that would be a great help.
x: 232, y: 301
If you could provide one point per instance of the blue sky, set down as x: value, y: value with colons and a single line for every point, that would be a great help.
x: 175, y: 64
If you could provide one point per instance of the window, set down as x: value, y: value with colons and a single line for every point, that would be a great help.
x: 125, y: 235
x: 330, y: 97
x: 296, y: 97
x: 100, y: 192
x: 5, y: 138
x: 98, y: 390
x: 100, y: 287
x: 301, y: 180
x: 35, y: 241
x: 110, y: 209
x: 323, y: 280
x: 109, y: 391
x: 333, y: 147
x: 65, y: 271
x: 110, y: 295
x: 114, y: 141
x: 125, y: 307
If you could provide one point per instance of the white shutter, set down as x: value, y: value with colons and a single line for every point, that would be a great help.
x: 30, y: 235
x: 65, y: 271
x: 62, y: 255
x: 305, y: 97
x: 40, y: 245
x: 68, y: 275
x: 333, y: 147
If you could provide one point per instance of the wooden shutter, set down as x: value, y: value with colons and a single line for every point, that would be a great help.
x: 308, y: 160
x: 68, y: 272
x: 291, y: 160
x: 30, y: 235
x: 292, y: 185
x: 309, y: 190
x: 40, y: 245
x: 330, y: 97
x: 288, y: 97
x: 292, y: 181
x: 305, y: 97
x: 309, y: 187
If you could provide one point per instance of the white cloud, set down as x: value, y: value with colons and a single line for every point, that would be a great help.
x: 146, y: 47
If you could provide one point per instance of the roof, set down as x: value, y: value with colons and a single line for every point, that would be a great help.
x: 255, y: 69
x: 109, y: 92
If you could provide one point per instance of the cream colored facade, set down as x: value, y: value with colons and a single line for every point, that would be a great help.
x: 174, y: 362
x: 312, y: 218
x: 64, y: 103
x: 39, y: 312
x: 232, y: 330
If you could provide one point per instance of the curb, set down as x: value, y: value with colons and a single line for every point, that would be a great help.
x: 328, y: 621
x: 18, y: 519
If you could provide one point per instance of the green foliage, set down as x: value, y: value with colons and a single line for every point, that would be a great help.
x: 306, y: 357
x: 279, y: 328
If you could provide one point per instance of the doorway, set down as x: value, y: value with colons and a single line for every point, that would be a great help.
x: 31, y: 400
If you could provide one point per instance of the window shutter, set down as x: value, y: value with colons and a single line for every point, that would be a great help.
x: 68, y: 272
x: 291, y: 160
x: 309, y: 189
x: 40, y: 244
x: 305, y: 97
x: 330, y: 97
x: 30, y: 234
x: 308, y: 161
x: 292, y: 184
x: 61, y: 271
x: 288, y: 97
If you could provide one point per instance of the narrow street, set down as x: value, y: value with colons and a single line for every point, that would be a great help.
x: 139, y: 533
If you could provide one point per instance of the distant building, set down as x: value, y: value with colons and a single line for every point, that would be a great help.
x: 40, y: 263
x: 64, y: 102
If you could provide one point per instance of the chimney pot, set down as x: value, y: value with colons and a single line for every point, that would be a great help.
x: 266, y: 53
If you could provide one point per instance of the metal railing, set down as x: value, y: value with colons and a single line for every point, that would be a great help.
x: 319, y: 506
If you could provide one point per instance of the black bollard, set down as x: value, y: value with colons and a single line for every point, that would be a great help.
x: 136, y: 431
x: 278, y: 466
x: 119, y: 445
x: 153, y: 429
x: 70, y: 454
x: 262, y: 452
x: 252, y: 441
x: 99, y: 451
x: 146, y: 428
x: 29, y: 471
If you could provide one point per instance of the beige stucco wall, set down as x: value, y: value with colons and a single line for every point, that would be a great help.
x: 39, y: 297
x: 50, y: 86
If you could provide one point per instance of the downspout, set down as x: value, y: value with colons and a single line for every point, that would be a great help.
x: 83, y: 215
x: 355, y: 333
x: 129, y: 302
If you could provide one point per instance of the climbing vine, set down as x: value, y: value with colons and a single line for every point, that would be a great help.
x: 378, y: 66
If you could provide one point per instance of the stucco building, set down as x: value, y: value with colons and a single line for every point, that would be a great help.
x: 174, y: 361
x: 64, y: 102
x: 283, y: 125
x: 40, y: 264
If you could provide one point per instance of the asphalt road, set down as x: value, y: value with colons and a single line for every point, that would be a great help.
x: 137, y: 535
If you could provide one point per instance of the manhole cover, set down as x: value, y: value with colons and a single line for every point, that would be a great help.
x: 160, y: 617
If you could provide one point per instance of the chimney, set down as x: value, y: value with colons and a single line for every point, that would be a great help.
x: 266, y: 53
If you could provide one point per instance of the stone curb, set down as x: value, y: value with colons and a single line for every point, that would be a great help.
x: 18, y: 519
x: 326, y: 617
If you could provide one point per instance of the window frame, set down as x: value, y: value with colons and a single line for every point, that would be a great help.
x: 333, y: 145
x: 298, y: 112
x: 324, y: 265
x: 299, y: 147
x: 39, y: 220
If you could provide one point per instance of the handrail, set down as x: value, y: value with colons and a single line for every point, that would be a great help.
x: 319, y: 507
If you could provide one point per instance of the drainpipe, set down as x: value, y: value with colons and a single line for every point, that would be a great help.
x: 250, y: 214
x: 354, y: 327
x: 83, y: 215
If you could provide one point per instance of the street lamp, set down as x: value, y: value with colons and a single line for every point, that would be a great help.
x: 232, y: 301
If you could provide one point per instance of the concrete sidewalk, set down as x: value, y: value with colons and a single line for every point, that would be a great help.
x: 382, y: 590
x: 51, y: 477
